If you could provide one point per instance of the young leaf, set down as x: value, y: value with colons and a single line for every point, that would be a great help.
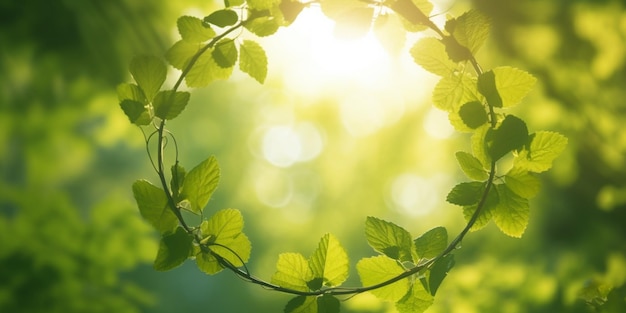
x: 416, y: 301
x: 523, y: 183
x: 454, y: 90
x: 471, y: 166
x: 180, y: 53
x: 174, y: 249
x: 473, y: 114
x: 292, y: 271
x: 470, y: 29
x: 431, y: 243
x: 488, y: 88
x: 512, y: 134
x: 327, y: 304
x: 262, y: 4
x: 153, y: 206
x: 430, y: 54
x: 223, y: 233
x: 200, y: 183
x: 169, y: 103
x: 130, y: 92
x: 235, y: 250
x: 208, y: 264
x: 466, y: 193
x: 225, y: 53
x: 486, y: 213
x: 439, y: 271
x: 389, y: 239
x: 414, y: 13
x: 253, y: 60
x: 222, y: 18
x: 512, y: 213
x: 136, y: 112
x: 329, y: 262
x: 512, y: 84
x: 322, y: 304
x: 263, y: 26
x: 378, y: 269
x: 205, y: 71
x: 193, y: 30
x: 149, y: 72
x: 544, y: 147
x: 479, y: 147
x: 290, y: 10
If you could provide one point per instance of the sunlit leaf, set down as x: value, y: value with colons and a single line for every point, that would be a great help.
x: 174, y: 249
x: 153, y: 206
x: 471, y: 166
x: 264, y: 23
x: 486, y: 212
x: 136, y: 112
x: 168, y: 103
x: 233, y: 3
x: 130, y: 92
x: 149, y: 72
x: 302, y: 304
x: 290, y: 9
x: 471, y: 29
x: 439, y: 271
x: 378, y: 269
x: 473, y: 114
x: 193, y: 30
x: 223, y: 234
x: 262, y: 4
x: 329, y: 262
x: 292, y: 271
x: 431, y: 243
x: 180, y: 53
x: 416, y: 301
x: 465, y: 194
x: 222, y: 18
x: 200, y: 183
x: 512, y: 134
x: 457, y: 122
x: 544, y: 147
x: 355, y: 23
x: 205, y: 71
x: 512, y: 213
x: 253, y: 60
x: 513, y: 84
x: 225, y: 53
x: 389, y: 239
x: 430, y: 54
x: 479, y: 147
x: 235, y: 250
x: 488, y: 88
x: 414, y: 13
x: 208, y: 264
x: 454, y: 90
x: 523, y: 183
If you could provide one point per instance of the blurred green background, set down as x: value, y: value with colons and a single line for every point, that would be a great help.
x: 314, y: 150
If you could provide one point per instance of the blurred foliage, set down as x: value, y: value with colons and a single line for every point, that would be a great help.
x: 71, y: 239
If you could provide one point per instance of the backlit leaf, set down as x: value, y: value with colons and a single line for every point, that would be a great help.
x: 416, y: 301
x: 544, y: 147
x: 253, y: 60
x: 136, y: 112
x: 263, y: 26
x: 471, y: 30
x: 329, y: 262
x: 290, y: 10
x: 454, y: 90
x: 512, y: 213
x: 473, y: 114
x: 225, y: 53
x: 471, y: 166
x: 235, y: 250
x: 193, y: 30
x: 180, y: 53
x: 465, y: 194
x: 389, y: 239
x: 302, y: 304
x: 431, y: 243
x: 523, y: 183
x: 513, y: 84
x: 233, y: 3
x: 178, y: 177
x: 488, y: 88
x: 430, y: 54
x: 512, y: 134
x: 149, y: 72
x: 486, y: 212
x: 130, y: 92
x: 200, y: 183
x: 262, y: 4
x: 479, y: 147
x: 223, y: 234
x: 439, y: 271
x: 378, y: 269
x: 205, y: 71
x: 168, y: 103
x: 174, y: 249
x: 208, y: 264
x: 153, y: 206
x: 222, y: 18
x: 413, y: 12
x: 292, y: 271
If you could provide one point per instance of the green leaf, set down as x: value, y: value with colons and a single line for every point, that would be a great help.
x: 169, y: 103
x: 439, y: 271
x: 253, y: 60
x: 488, y: 88
x: 466, y: 193
x: 544, y: 147
x: 327, y: 304
x: 479, y: 146
x: 416, y: 301
x: 319, y: 304
x: 430, y: 54
x: 431, y: 243
x: 208, y: 264
x: 512, y: 213
x: 262, y: 4
x: 292, y: 271
x: 178, y: 178
x: 473, y: 114
x: 486, y: 213
x: 290, y: 10
x: 136, y: 112
x: 193, y: 30
x: 263, y: 26
x: 512, y: 134
x: 512, y: 84
x: 354, y: 23
x: 130, y: 92
x: 471, y: 29
x: 205, y: 71
x: 223, y: 233
x: 233, y: 3
x: 225, y: 53
x: 471, y: 166
x: 180, y: 54
x: 149, y: 72
x: 174, y: 249
x: 378, y: 269
x: 454, y: 90
x: 523, y: 183
x: 222, y: 18
x: 414, y: 13
x: 153, y: 206
x: 389, y: 239
x: 200, y: 184
x: 329, y: 262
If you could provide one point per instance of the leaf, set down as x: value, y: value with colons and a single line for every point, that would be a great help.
x: 488, y: 88
x: 512, y: 84
x: 416, y: 301
x: 473, y: 114
x: 327, y: 304
x: 543, y: 149
x: 180, y: 53
x: 320, y: 304
x: 512, y: 213
x: 471, y: 29
x: 174, y: 249
x: 233, y: 3
x: 293, y: 272
x: 149, y: 72
x: 414, y: 13
x: 205, y: 71
x: 235, y: 250
x: 471, y: 166
x: 223, y: 234
x: 136, y: 112
x: 253, y: 60
x: 389, y: 239
x: 169, y: 103
x: 466, y: 193
x: 439, y: 271
x: 200, y: 184
x: 452, y: 91
x: 430, y: 54
x: 193, y: 30
x: 523, y: 183
x: 355, y: 23
x: 178, y: 178
x: 486, y: 213
x: 130, y: 92
x: 262, y: 4
x: 153, y: 206
x: 329, y: 262
x: 222, y: 18
x: 263, y: 26
x: 334, y: 9
x: 225, y: 53
x: 208, y: 264
x: 290, y: 10
x: 479, y: 146
x: 431, y: 243
x: 512, y: 134
x: 378, y: 269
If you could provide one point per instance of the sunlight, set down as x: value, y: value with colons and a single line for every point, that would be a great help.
x: 284, y: 145
x: 414, y: 195
x: 437, y: 125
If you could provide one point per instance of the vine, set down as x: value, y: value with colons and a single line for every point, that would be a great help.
x: 406, y: 271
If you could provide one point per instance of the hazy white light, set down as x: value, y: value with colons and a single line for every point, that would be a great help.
x: 284, y: 145
x: 366, y: 112
x: 272, y: 187
x: 437, y: 125
x: 414, y: 195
